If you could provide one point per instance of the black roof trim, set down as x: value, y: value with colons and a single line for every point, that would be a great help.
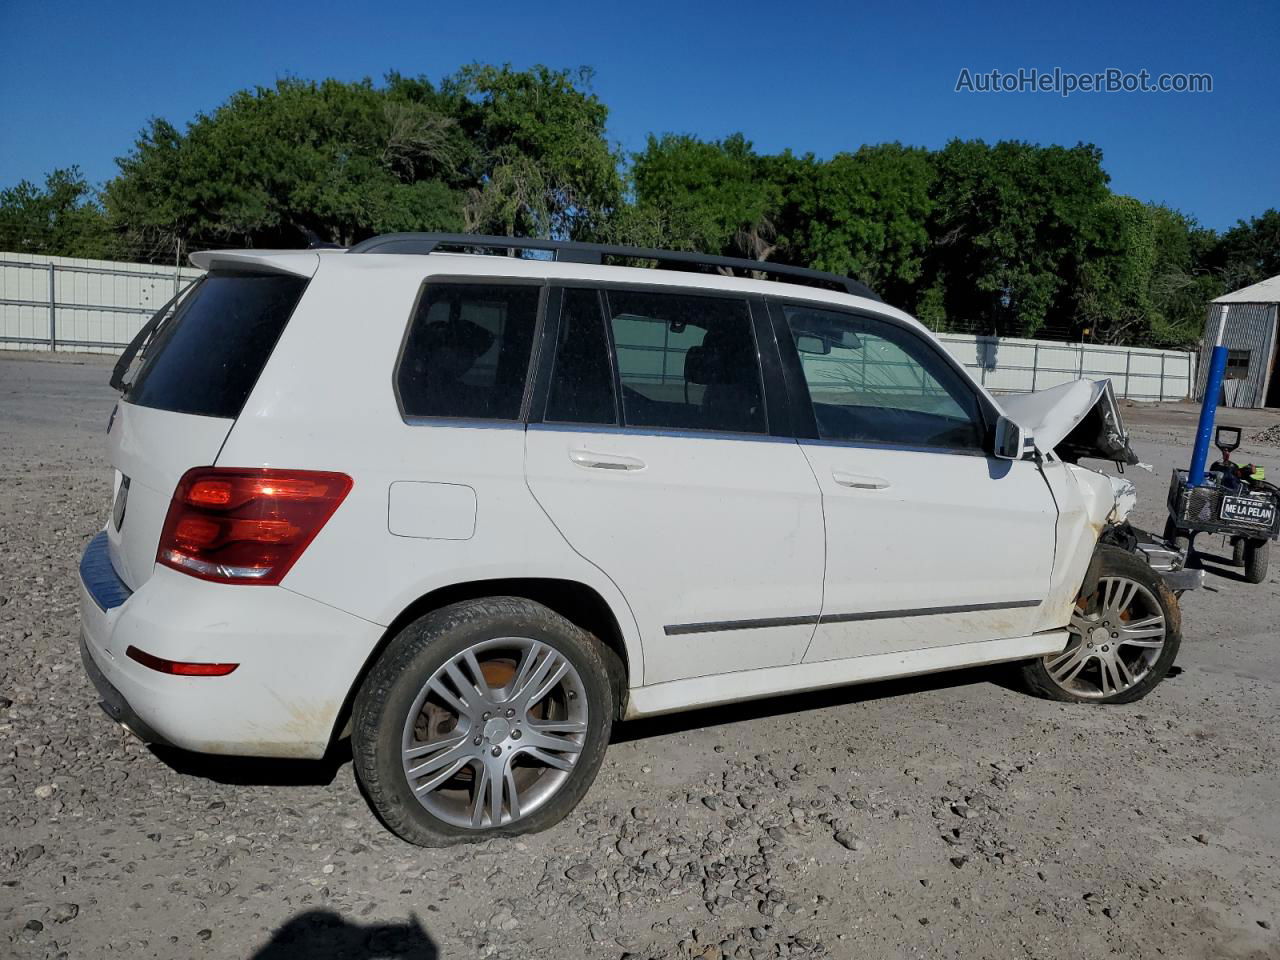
x: 573, y: 252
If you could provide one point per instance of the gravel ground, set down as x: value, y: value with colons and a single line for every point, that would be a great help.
x: 951, y: 816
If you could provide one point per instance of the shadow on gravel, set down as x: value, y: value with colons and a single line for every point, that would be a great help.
x: 1218, y: 566
x: 325, y: 935
x: 800, y: 703
x: 257, y: 771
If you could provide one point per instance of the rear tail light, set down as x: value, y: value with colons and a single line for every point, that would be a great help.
x: 246, y: 526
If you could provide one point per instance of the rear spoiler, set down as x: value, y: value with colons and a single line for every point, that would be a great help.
x: 299, y: 263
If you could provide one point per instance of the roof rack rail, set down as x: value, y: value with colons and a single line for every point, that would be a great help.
x: 574, y: 252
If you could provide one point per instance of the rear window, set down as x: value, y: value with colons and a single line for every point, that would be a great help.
x: 207, y: 358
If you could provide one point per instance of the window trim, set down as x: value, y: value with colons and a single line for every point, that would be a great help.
x: 773, y: 390
x: 611, y: 358
x: 531, y: 370
x: 802, y: 414
x: 1239, y: 363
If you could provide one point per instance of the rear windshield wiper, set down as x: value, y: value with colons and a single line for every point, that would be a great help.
x: 145, y: 336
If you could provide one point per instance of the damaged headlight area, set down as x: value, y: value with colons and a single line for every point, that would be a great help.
x: 1076, y: 420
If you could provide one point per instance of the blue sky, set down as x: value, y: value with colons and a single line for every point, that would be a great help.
x: 78, y: 80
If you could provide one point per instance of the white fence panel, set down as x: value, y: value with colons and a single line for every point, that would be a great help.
x: 98, y: 305
x: 1013, y: 365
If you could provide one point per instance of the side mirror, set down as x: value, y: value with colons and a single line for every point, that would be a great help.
x: 809, y: 343
x: 1011, y: 441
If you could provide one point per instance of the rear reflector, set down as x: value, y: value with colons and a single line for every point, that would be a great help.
x: 177, y: 667
x: 246, y: 526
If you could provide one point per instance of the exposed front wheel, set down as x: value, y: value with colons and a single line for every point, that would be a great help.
x: 483, y: 718
x: 1124, y: 637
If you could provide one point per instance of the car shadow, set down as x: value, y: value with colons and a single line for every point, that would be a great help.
x: 803, y: 702
x: 257, y: 771
x: 326, y: 935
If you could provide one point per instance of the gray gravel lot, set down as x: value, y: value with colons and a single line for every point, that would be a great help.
x: 950, y: 816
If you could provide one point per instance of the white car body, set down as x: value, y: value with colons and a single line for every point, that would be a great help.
x: 731, y: 566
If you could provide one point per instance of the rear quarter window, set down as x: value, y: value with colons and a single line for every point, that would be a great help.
x: 468, y: 350
x: 206, y: 359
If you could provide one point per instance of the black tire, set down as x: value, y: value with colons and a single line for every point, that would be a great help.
x: 413, y: 657
x: 1257, y: 557
x: 1118, y: 563
x: 1178, y: 539
x: 1239, y: 550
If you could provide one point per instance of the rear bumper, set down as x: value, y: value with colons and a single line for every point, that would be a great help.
x: 298, y: 660
x: 112, y: 701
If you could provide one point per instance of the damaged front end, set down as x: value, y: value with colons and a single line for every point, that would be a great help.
x: 1081, y: 420
x: 1074, y: 420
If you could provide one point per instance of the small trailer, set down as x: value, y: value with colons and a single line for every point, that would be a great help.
x: 1233, y: 500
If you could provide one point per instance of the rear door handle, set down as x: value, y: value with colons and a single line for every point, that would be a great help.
x: 604, y: 461
x: 857, y: 481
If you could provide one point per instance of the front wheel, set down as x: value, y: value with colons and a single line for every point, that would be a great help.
x: 1124, y: 637
x: 489, y: 717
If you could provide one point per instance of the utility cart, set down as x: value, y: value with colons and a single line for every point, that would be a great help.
x: 1234, y: 500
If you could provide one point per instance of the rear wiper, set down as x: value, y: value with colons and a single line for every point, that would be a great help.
x: 144, y: 336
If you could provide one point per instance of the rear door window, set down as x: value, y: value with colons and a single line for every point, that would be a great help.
x: 467, y: 354
x: 207, y: 358
x: 686, y: 362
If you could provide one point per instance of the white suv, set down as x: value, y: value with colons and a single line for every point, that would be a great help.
x: 471, y: 509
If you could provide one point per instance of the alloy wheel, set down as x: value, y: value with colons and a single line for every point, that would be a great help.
x: 1117, y: 636
x: 495, y: 732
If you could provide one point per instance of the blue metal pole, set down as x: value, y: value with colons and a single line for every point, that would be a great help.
x: 1208, y: 407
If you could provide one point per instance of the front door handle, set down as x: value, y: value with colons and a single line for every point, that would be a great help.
x: 604, y: 461
x: 857, y: 481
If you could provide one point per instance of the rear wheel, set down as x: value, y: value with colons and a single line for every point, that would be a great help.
x: 485, y: 718
x: 1180, y: 540
x: 1257, y: 557
x: 1124, y: 637
x: 1239, y: 547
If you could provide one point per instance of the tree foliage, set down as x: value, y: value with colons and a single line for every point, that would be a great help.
x: 546, y: 168
x: 61, y: 217
x: 1007, y: 238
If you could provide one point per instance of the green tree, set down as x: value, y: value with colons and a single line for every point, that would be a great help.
x: 62, y: 218
x: 1011, y: 223
x: 276, y: 166
x: 546, y: 167
x: 1249, y: 252
x: 707, y: 196
x: 865, y: 215
x: 1113, y: 294
x: 1182, y: 283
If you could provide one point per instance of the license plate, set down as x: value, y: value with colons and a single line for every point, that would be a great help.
x: 122, y: 501
x: 1247, y: 510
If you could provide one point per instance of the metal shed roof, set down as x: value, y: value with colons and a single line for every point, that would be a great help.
x: 1265, y: 291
